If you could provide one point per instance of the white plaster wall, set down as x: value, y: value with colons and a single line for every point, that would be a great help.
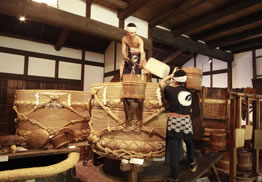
x: 154, y: 80
x: 109, y: 57
x: 142, y: 26
x: 259, y: 52
x: 202, y: 60
x: 259, y: 66
x: 96, y: 57
x: 219, y: 65
x: 206, y: 81
x: 93, y: 74
x: 10, y: 63
x: 69, y: 70
x: 39, y: 47
x: 242, y: 70
x: 104, y: 15
x: 220, y: 80
x: 108, y: 79
x: 41, y: 67
x: 119, y: 57
x: 52, y: 3
x: 190, y: 63
x: 77, y: 7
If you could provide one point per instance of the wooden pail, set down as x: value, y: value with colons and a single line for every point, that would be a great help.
x: 244, y: 163
x: 109, y: 134
x: 133, y: 86
x: 52, y: 110
x: 223, y: 165
x: 218, y: 141
x: 194, y: 78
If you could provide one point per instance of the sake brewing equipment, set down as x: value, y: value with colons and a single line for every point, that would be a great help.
x: 51, y: 111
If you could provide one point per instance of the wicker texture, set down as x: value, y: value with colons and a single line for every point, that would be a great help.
x: 110, y: 136
x: 52, y: 110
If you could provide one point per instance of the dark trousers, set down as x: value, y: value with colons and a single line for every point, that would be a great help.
x: 173, y: 151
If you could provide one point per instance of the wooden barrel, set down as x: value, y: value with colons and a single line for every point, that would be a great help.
x: 133, y: 86
x: 218, y: 141
x: 194, y: 78
x: 244, y: 160
x: 223, y: 165
x: 109, y: 134
x: 52, y: 110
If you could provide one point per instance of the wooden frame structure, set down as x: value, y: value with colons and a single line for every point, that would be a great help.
x: 236, y: 131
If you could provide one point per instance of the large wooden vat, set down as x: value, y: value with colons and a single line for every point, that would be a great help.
x: 218, y: 141
x: 134, y: 86
x: 51, y: 111
x: 194, y: 78
x: 109, y: 134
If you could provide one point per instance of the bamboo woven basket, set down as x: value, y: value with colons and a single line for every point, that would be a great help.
x: 52, y: 110
x: 109, y: 135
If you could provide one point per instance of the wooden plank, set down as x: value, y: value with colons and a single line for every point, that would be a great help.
x: 61, y: 40
x: 132, y: 8
x: 183, y: 8
x: 165, y: 37
x: 252, y: 19
x: 204, y: 164
x: 52, y: 16
x: 228, y: 11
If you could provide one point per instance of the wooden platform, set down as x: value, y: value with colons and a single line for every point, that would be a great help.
x: 157, y: 172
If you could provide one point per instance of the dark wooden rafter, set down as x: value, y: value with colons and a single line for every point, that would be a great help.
x: 61, y: 40
x: 119, y: 4
x: 175, y: 54
x: 186, y: 6
x: 255, y: 18
x: 245, y: 44
x: 132, y: 8
x: 219, y: 14
x: 229, y: 40
x: 88, y: 7
x: 52, y: 16
x: 167, y: 38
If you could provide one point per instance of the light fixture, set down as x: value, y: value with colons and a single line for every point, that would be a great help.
x: 22, y: 18
x: 210, y: 60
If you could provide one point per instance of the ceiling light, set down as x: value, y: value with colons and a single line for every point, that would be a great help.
x: 22, y: 18
x: 210, y: 60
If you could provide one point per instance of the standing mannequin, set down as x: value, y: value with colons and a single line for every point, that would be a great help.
x: 179, y: 124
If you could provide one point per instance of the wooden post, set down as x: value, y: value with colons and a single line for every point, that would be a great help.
x: 232, y: 150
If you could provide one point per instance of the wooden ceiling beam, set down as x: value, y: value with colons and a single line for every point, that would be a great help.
x: 252, y: 19
x: 48, y: 15
x: 185, y: 7
x: 119, y: 4
x: 245, y: 44
x: 61, y: 40
x: 166, y: 37
x: 232, y: 39
x: 211, y: 17
x: 171, y: 57
x: 132, y: 8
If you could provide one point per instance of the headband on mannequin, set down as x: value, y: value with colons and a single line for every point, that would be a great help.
x: 131, y: 29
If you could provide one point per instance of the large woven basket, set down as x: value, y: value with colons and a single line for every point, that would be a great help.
x: 110, y: 136
x: 52, y: 110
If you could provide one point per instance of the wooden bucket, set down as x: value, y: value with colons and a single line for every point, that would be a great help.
x: 194, y: 78
x: 52, y: 110
x: 110, y: 137
x: 134, y: 86
x: 218, y: 141
x: 223, y: 165
x: 244, y: 163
